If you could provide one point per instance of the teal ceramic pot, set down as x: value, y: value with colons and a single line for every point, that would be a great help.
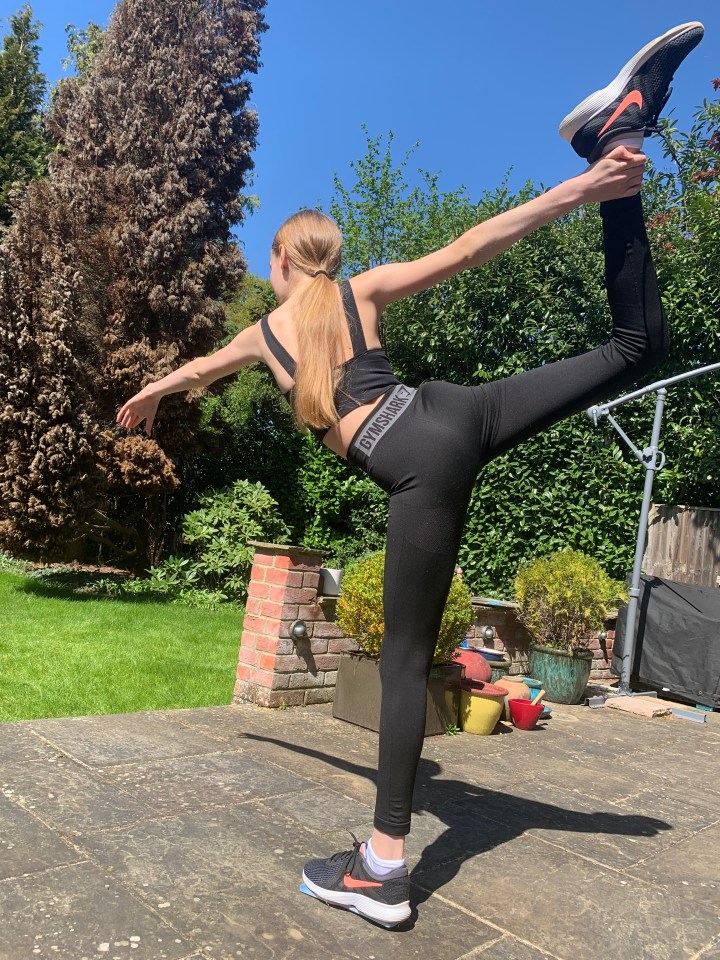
x: 563, y: 675
x: 499, y: 669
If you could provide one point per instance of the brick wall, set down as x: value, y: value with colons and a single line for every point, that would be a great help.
x: 511, y: 638
x: 273, y: 669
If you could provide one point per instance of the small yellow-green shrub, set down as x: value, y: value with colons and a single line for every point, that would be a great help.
x: 360, y: 609
x: 563, y: 596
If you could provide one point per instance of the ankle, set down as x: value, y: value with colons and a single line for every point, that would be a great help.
x: 387, y: 847
x: 632, y: 139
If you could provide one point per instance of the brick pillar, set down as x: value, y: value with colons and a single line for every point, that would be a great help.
x: 602, y: 651
x: 273, y: 669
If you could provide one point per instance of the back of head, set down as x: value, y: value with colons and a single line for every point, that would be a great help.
x: 313, y: 245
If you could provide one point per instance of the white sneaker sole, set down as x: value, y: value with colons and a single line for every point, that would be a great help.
x: 386, y: 914
x: 598, y: 101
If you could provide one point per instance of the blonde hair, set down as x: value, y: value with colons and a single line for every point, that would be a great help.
x: 313, y: 243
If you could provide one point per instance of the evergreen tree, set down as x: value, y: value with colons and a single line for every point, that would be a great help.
x: 113, y: 272
x: 24, y: 145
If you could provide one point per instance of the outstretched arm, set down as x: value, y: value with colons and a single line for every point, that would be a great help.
x: 618, y: 174
x: 201, y: 372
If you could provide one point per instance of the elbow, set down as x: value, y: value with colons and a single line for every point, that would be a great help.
x: 198, y: 374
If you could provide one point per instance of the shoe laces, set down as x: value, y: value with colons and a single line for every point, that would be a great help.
x: 348, y: 856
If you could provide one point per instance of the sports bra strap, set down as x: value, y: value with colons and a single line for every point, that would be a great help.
x: 352, y: 316
x: 276, y: 348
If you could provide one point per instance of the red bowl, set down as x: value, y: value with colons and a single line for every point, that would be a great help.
x: 525, y: 714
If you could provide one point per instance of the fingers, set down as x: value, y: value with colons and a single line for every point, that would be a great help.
x: 628, y: 155
x: 129, y: 419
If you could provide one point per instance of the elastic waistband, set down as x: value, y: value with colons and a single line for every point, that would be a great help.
x: 378, y: 422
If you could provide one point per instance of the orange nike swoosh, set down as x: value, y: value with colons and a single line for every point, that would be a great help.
x: 353, y: 884
x: 633, y: 97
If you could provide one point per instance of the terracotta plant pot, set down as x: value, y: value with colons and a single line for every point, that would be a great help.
x: 476, y: 666
x: 515, y: 690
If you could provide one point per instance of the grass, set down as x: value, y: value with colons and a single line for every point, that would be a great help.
x: 64, y: 653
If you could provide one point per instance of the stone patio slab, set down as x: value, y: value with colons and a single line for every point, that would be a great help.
x: 692, y: 872
x: 27, y: 845
x: 569, y: 907
x: 20, y: 742
x: 68, y: 796
x: 80, y: 912
x: 192, y: 783
x: 189, y: 829
x: 123, y: 738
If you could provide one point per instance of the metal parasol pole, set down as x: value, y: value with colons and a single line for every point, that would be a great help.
x: 653, y: 461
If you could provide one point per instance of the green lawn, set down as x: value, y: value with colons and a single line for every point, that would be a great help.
x: 66, y: 654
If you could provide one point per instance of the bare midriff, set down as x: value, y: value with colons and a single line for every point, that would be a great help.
x: 338, y: 437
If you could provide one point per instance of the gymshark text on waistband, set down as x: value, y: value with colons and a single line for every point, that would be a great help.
x: 389, y: 410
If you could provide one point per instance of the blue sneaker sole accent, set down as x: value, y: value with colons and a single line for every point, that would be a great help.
x: 388, y: 926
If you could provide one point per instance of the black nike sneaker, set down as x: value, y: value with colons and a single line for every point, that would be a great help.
x: 345, y: 880
x: 633, y: 101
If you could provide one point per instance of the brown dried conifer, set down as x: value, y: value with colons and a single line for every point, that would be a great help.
x: 112, y: 270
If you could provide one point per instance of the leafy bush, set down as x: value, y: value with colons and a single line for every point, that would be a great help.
x: 563, y: 597
x: 360, y: 609
x: 219, y: 569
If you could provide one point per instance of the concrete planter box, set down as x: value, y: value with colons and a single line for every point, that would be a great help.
x: 358, y: 694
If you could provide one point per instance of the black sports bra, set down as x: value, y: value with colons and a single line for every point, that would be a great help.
x: 366, y: 375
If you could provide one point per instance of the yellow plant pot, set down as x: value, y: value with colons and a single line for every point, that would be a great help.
x: 480, y: 711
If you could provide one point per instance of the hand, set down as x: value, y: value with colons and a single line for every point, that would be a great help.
x: 618, y: 174
x: 138, y: 408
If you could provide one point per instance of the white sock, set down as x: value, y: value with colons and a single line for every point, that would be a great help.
x: 378, y: 866
x: 633, y: 139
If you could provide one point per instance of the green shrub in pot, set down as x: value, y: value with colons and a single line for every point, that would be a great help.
x: 562, y: 598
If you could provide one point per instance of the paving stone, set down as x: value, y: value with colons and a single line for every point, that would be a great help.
x: 191, y: 783
x: 225, y: 878
x: 66, y: 795
x: 325, y: 764
x: 647, y: 707
x: 27, y: 845
x: 18, y: 742
x: 568, y: 907
x: 123, y: 738
x: 524, y: 845
x: 509, y: 948
x: 689, y: 869
x: 595, y: 830
x: 319, y: 805
x: 79, y: 912
x: 711, y: 952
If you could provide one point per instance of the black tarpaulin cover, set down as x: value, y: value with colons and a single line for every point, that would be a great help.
x: 678, y: 639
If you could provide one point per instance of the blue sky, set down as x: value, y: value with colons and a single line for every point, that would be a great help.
x: 481, y: 85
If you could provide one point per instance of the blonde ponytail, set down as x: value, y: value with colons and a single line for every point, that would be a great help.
x: 313, y: 245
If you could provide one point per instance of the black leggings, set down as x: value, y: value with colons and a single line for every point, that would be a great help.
x: 428, y: 462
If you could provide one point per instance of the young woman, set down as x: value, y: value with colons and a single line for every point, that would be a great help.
x: 323, y: 348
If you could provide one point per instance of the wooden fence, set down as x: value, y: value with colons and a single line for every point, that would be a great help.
x: 684, y: 544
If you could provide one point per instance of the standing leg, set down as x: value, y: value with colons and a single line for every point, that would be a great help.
x: 422, y: 548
